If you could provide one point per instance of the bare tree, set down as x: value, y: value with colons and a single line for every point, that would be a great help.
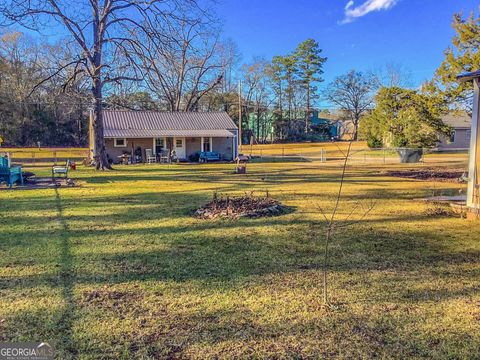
x: 395, y: 75
x: 257, y: 92
x: 101, y: 31
x: 334, y: 223
x: 191, y: 63
x: 353, y: 93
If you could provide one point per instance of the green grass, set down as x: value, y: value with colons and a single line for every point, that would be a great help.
x: 119, y: 269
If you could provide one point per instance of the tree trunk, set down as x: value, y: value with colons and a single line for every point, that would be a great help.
x: 307, y: 115
x: 355, y: 128
x: 325, y: 264
x: 101, y: 159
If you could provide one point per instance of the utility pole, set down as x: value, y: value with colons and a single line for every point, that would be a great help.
x: 239, y: 114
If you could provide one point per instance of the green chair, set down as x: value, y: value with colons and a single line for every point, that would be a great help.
x: 10, y: 174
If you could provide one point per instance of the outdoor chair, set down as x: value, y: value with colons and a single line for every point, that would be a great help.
x: 10, y: 174
x: 60, y: 171
x: 150, y: 156
x: 165, y: 156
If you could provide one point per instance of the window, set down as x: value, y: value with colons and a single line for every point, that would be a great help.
x: 159, y: 142
x: 206, y: 144
x: 468, y: 135
x: 178, y: 143
x: 120, y: 142
x: 452, y: 136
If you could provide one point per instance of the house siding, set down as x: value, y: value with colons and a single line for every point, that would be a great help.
x: 192, y: 146
x: 223, y: 146
x: 114, y: 152
x: 461, y: 141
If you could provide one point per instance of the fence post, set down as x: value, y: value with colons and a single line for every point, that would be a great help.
x: 384, y: 156
x: 55, y: 157
x: 261, y: 153
x: 33, y: 157
x: 283, y: 151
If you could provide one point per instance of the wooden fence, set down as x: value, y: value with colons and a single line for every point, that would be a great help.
x: 34, y: 156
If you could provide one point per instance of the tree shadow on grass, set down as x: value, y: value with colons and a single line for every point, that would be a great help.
x: 67, y: 280
x: 219, y: 256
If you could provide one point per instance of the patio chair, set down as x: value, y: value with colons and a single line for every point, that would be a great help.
x: 150, y: 156
x: 10, y: 174
x: 60, y: 171
x: 165, y: 156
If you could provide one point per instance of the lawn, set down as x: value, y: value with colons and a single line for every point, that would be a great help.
x: 118, y: 268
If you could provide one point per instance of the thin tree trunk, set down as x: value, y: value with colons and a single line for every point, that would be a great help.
x: 307, y: 115
x: 325, y: 265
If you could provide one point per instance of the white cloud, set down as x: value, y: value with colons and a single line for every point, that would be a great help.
x: 352, y: 12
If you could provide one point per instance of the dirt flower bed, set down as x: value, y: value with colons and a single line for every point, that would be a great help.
x: 456, y: 176
x: 242, y: 206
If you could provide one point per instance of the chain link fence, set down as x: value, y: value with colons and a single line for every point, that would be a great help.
x: 359, y: 154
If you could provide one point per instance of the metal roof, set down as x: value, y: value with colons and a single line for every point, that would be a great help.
x: 468, y: 76
x: 120, y: 123
x: 149, y: 133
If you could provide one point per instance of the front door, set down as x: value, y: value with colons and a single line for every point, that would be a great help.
x: 159, y: 145
x: 179, y: 147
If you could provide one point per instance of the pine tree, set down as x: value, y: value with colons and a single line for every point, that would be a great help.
x: 309, y: 64
x: 462, y: 56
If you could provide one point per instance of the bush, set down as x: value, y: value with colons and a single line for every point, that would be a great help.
x: 194, y: 157
x: 374, y: 143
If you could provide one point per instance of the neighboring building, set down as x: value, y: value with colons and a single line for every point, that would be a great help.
x: 186, y: 133
x: 325, y: 124
x: 461, y: 134
x: 345, y: 129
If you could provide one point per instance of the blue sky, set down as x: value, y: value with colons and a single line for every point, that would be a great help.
x: 365, y: 36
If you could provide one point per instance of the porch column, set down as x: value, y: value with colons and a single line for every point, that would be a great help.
x: 201, y: 143
x: 211, y: 144
x: 474, y: 159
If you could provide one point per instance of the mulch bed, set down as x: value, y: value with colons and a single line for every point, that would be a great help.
x: 42, y: 183
x: 455, y: 176
x: 237, y: 207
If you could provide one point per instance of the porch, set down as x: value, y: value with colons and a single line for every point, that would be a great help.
x: 183, y: 148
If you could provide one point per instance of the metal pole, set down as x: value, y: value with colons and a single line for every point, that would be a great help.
x: 239, y: 114
x: 472, y: 189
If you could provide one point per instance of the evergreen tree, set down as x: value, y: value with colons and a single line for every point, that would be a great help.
x: 309, y: 63
x: 462, y: 56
